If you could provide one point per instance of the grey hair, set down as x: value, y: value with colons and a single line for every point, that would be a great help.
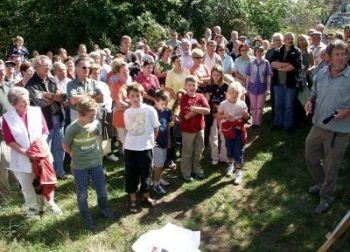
x: 15, y: 93
x: 57, y: 65
x: 336, y: 44
x: 37, y: 60
x: 278, y: 35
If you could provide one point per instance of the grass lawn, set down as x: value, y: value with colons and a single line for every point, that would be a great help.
x: 270, y: 211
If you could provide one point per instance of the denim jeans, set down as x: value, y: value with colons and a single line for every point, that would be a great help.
x: 82, y: 178
x: 234, y: 148
x: 284, y: 106
x: 55, y: 142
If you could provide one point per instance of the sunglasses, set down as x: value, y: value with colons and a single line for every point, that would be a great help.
x: 85, y: 67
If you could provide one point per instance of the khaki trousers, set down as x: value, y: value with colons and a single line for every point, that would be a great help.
x: 192, y: 149
x: 324, y: 153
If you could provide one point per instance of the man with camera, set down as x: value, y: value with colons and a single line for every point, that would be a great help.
x: 327, y: 140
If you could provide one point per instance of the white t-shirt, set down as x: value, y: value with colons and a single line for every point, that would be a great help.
x: 235, y: 109
x: 140, y: 124
x: 106, y: 92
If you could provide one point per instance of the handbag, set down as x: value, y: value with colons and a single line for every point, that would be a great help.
x: 106, y: 143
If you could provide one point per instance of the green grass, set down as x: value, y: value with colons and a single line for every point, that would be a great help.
x: 270, y: 211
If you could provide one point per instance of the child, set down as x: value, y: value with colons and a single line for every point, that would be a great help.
x: 233, y: 112
x: 163, y: 140
x: 141, y: 123
x: 215, y: 94
x: 18, y: 47
x: 81, y: 142
x: 193, y: 108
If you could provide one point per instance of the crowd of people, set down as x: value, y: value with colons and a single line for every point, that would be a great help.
x: 157, y: 105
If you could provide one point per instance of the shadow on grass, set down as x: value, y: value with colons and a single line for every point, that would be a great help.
x: 278, y: 207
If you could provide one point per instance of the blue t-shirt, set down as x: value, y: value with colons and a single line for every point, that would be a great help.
x: 164, y: 118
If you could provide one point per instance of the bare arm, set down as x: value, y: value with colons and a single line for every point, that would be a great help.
x: 67, y: 149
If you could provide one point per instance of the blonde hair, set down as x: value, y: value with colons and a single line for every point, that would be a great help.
x: 235, y: 86
x: 86, y: 104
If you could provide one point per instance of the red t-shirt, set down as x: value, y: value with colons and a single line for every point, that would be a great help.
x: 197, y: 122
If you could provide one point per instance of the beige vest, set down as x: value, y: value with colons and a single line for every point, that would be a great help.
x: 24, y: 137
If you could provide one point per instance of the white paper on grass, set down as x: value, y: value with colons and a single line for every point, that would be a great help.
x: 169, y: 238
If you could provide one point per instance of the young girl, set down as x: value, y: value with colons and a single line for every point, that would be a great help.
x: 233, y: 113
x: 193, y: 108
x: 257, y: 83
x: 215, y: 93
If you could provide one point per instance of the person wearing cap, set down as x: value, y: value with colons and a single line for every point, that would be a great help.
x: 199, y: 70
x: 316, y: 46
x: 326, y: 142
x: 286, y: 63
x: 149, y: 81
x: 257, y: 84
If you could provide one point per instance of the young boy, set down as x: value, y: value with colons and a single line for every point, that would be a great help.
x: 162, y: 141
x: 233, y: 113
x: 141, y: 123
x: 193, y: 107
x: 81, y: 142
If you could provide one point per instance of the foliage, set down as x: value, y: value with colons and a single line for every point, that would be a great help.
x: 53, y: 24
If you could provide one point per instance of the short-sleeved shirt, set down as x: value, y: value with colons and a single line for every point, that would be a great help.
x: 331, y: 94
x: 176, y: 81
x: 76, y: 87
x: 84, y: 143
x: 140, y: 124
x: 197, y: 122
x: 164, y: 118
x: 217, y: 94
x: 235, y: 109
x: 258, y: 73
x: 241, y: 65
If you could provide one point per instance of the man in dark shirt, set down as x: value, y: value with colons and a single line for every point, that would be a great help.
x: 43, y: 93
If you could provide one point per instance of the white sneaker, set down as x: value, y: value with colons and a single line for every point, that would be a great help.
x: 113, y: 158
x: 239, y: 176
x: 163, y: 182
x: 214, y: 162
x: 229, y: 170
x: 55, y: 209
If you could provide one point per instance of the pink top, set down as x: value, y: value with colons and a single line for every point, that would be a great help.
x: 8, y: 137
x: 149, y: 83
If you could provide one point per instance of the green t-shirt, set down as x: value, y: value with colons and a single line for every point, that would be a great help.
x: 84, y: 142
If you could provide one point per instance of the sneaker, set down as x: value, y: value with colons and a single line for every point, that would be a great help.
x: 199, y: 176
x: 113, y: 158
x: 188, y: 179
x: 106, y: 214
x: 322, y: 207
x: 229, y: 170
x: 314, y: 190
x: 239, y: 176
x: 159, y: 189
x: 214, y: 162
x: 163, y: 182
x: 31, y: 213
x: 55, y: 209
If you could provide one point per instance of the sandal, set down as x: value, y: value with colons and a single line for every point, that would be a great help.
x: 147, y: 201
x: 132, y: 208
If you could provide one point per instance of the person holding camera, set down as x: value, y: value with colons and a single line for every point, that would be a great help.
x: 327, y: 140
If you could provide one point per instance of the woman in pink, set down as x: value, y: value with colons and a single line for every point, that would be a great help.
x: 148, y: 80
x: 258, y: 81
x: 200, y: 70
x: 21, y: 127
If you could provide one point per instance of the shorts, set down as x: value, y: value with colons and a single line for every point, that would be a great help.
x: 159, y: 156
